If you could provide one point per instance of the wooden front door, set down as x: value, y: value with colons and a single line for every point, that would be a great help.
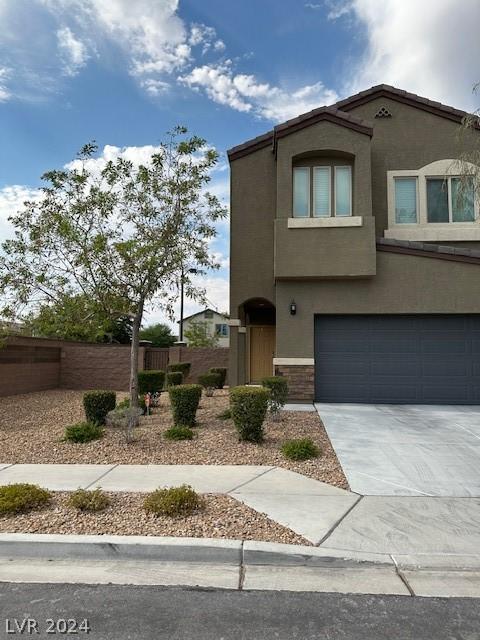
x: 262, y: 351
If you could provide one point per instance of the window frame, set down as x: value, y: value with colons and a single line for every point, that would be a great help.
x: 221, y: 334
x: 309, y: 191
x: 423, y: 230
x: 329, y: 168
x: 448, y: 180
x: 331, y: 195
x: 349, y: 167
x: 417, y: 202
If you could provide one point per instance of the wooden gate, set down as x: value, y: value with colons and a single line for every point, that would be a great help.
x: 156, y: 358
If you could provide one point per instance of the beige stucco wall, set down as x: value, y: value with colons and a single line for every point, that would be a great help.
x: 251, y: 228
x: 403, y: 284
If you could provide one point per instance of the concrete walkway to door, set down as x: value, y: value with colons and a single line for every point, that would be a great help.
x: 406, y: 450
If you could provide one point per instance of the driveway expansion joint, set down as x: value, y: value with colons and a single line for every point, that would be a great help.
x: 102, y: 476
x: 332, y: 529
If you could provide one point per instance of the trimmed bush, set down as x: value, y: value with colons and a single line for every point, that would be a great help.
x: 119, y: 418
x: 125, y: 404
x: 301, y: 449
x: 210, y: 382
x: 249, y: 407
x: 83, y: 432
x: 278, y: 388
x: 174, y: 378
x: 85, y: 500
x: 150, y: 381
x: 223, y: 375
x: 174, y: 501
x: 184, y: 367
x: 18, y: 498
x: 179, y: 433
x: 225, y: 415
x: 97, y: 404
x: 184, y: 399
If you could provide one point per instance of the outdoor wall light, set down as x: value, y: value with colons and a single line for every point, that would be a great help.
x: 293, y: 308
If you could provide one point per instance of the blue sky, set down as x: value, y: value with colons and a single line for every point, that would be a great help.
x: 123, y: 72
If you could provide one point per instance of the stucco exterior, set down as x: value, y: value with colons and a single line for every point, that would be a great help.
x: 328, y: 269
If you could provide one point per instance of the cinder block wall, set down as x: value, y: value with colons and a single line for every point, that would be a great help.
x: 37, y: 364
x: 202, y: 359
x: 97, y: 366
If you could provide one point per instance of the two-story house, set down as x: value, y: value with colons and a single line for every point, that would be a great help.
x: 213, y: 323
x: 355, y: 254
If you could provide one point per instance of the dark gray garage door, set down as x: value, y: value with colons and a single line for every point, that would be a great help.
x: 418, y: 359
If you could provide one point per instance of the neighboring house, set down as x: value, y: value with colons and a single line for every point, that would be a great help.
x: 355, y: 266
x: 216, y: 324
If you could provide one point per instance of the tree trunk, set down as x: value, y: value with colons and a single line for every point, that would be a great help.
x: 133, y: 417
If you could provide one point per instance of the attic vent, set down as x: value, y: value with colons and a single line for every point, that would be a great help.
x: 383, y: 112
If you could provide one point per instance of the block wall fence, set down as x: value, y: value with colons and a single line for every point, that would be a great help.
x: 37, y: 364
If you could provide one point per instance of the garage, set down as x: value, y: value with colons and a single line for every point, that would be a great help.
x: 397, y: 359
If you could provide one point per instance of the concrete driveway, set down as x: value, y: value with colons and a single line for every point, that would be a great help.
x: 406, y: 450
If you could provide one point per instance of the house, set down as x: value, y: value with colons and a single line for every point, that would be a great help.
x: 215, y: 323
x: 355, y: 263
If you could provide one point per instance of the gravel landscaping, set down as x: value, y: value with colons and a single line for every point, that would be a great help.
x: 222, y: 517
x: 32, y: 427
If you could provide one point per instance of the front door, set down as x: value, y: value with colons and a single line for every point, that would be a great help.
x: 262, y: 351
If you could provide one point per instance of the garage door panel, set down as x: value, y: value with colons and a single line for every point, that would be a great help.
x: 395, y: 367
x: 398, y: 359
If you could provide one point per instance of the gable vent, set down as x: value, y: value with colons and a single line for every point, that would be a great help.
x: 383, y: 112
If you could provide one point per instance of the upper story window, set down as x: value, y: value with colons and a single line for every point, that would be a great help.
x: 322, y: 191
x: 221, y: 330
x: 432, y: 203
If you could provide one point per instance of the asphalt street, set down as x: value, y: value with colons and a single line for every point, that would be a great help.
x: 134, y: 612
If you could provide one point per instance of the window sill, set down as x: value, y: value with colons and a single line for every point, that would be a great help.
x: 454, y: 233
x: 308, y: 223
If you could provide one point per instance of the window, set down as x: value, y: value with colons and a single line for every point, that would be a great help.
x: 208, y: 313
x: 433, y: 203
x: 343, y: 191
x: 314, y: 191
x: 221, y: 330
x: 301, y: 192
x: 321, y: 192
x: 405, y: 200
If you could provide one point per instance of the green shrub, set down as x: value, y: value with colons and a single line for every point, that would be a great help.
x: 125, y: 404
x: 174, y: 378
x: 150, y: 381
x: 184, y: 399
x: 174, y: 501
x: 223, y: 375
x: 83, y: 432
x: 85, y: 500
x: 278, y: 388
x: 209, y: 382
x: 179, y: 433
x: 17, y: 498
x: 184, y: 367
x: 301, y: 449
x: 225, y: 415
x: 249, y: 407
x: 97, y: 404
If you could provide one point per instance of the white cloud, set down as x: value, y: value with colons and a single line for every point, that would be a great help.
x: 245, y: 93
x: 73, y: 51
x: 12, y: 198
x: 155, y: 87
x: 4, y: 92
x: 430, y: 48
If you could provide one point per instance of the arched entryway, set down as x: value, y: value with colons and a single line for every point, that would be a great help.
x: 258, y: 315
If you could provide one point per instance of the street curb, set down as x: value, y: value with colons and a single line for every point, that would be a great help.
x: 111, y: 547
x: 170, y: 549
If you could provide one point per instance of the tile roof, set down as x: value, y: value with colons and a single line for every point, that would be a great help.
x: 427, y: 250
x: 338, y: 113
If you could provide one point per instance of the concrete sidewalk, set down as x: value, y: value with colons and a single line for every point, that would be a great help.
x: 329, y: 517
